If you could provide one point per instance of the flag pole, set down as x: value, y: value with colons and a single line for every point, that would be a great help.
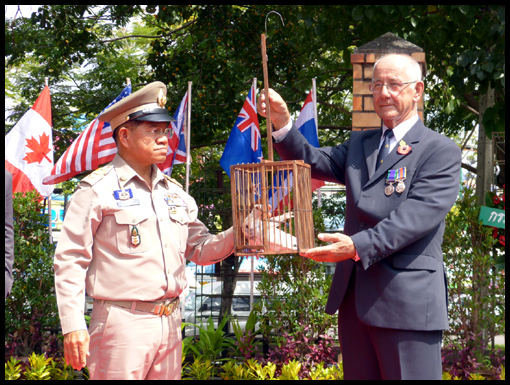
x: 314, y: 95
x: 50, y: 230
x: 252, y: 282
x: 188, y: 133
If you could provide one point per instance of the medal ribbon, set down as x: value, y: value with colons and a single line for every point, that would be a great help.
x: 394, y: 175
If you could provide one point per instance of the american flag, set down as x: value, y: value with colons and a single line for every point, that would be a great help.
x: 176, y: 152
x: 93, y: 147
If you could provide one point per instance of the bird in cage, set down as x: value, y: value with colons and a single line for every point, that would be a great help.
x: 278, y: 240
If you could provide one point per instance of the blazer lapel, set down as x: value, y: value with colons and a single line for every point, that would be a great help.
x: 412, y: 138
x: 371, y: 148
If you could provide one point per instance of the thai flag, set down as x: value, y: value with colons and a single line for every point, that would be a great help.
x: 177, y: 143
x: 307, y: 125
x: 243, y: 144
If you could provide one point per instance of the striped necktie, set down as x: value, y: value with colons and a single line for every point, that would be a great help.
x: 385, y: 148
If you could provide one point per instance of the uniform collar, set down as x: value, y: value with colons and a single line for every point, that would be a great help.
x: 125, y: 173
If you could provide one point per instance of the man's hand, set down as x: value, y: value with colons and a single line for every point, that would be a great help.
x: 76, y: 348
x: 341, y: 249
x: 280, y: 115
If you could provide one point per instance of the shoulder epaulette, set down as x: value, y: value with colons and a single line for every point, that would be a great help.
x: 173, y: 181
x: 97, y: 175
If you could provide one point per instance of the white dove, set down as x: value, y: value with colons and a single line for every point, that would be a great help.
x: 278, y: 240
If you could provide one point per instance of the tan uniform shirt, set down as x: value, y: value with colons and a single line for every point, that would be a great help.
x: 96, y: 250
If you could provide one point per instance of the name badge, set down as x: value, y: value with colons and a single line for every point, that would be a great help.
x: 129, y: 202
x: 123, y: 195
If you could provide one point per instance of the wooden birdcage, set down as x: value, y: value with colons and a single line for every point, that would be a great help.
x: 272, y: 208
x: 271, y: 201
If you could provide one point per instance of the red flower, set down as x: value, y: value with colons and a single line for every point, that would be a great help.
x: 502, y: 239
x: 496, y: 200
x: 404, y: 149
x: 495, y: 232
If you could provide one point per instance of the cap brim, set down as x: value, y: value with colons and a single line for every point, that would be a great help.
x: 155, y: 118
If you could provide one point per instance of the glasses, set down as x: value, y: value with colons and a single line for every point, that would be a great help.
x: 393, y: 87
x: 157, y: 132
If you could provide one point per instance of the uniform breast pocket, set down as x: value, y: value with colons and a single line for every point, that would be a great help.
x: 133, y: 231
x: 180, y: 220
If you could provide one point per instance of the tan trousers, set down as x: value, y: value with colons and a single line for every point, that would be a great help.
x: 132, y: 345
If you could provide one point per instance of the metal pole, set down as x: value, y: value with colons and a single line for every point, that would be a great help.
x: 314, y: 95
x: 50, y: 230
x: 188, y: 133
x: 252, y: 257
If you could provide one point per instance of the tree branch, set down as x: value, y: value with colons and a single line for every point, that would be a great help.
x: 469, y: 168
x: 149, y: 36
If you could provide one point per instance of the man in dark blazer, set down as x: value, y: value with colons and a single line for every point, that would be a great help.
x: 389, y: 285
x: 9, y: 233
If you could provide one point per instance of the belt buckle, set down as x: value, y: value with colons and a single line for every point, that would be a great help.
x: 165, y: 308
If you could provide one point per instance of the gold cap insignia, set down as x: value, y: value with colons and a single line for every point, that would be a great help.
x: 161, y: 99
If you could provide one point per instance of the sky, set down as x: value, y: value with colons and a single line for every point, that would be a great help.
x: 26, y: 10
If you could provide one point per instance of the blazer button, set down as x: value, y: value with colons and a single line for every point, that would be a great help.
x: 362, y: 224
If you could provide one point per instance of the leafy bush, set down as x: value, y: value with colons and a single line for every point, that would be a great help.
x: 31, y: 309
x: 38, y: 368
x: 465, y: 359
x: 253, y: 370
x: 476, y: 288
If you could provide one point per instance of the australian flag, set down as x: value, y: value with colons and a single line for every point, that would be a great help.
x: 243, y: 145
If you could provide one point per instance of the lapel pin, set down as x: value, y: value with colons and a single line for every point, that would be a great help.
x: 404, y: 148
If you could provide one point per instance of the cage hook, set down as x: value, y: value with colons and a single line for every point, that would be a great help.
x: 281, y: 18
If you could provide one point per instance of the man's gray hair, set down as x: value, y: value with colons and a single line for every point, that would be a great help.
x: 413, y: 68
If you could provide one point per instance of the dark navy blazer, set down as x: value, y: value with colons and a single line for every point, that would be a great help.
x: 400, y: 280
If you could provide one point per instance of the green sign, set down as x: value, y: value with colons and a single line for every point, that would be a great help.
x: 492, y: 217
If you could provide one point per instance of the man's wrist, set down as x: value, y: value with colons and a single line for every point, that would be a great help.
x: 280, y: 134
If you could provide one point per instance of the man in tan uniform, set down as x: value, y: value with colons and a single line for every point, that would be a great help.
x: 127, y: 233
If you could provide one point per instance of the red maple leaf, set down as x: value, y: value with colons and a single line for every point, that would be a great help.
x: 40, y: 149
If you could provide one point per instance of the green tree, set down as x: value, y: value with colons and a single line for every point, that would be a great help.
x: 476, y: 288
x: 31, y: 308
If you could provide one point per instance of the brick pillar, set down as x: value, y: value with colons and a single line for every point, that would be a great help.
x: 363, y: 60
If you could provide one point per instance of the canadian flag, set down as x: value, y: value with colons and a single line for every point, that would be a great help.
x: 29, y: 148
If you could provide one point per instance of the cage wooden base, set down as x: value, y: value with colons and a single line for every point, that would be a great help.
x: 272, y: 208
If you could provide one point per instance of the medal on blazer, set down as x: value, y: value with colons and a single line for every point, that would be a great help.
x: 135, y: 237
x: 123, y: 195
x: 395, y: 176
x: 400, y: 179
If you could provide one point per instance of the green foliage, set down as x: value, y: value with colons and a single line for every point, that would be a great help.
x: 476, y: 288
x: 88, y: 51
x: 39, y: 368
x: 12, y: 369
x: 31, y: 305
x: 253, y: 370
x: 200, y: 369
x: 210, y: 345
x: 245, y: 338
x: 288, y: 285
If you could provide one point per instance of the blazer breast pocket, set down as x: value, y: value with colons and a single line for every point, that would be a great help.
x: 133, y: 233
